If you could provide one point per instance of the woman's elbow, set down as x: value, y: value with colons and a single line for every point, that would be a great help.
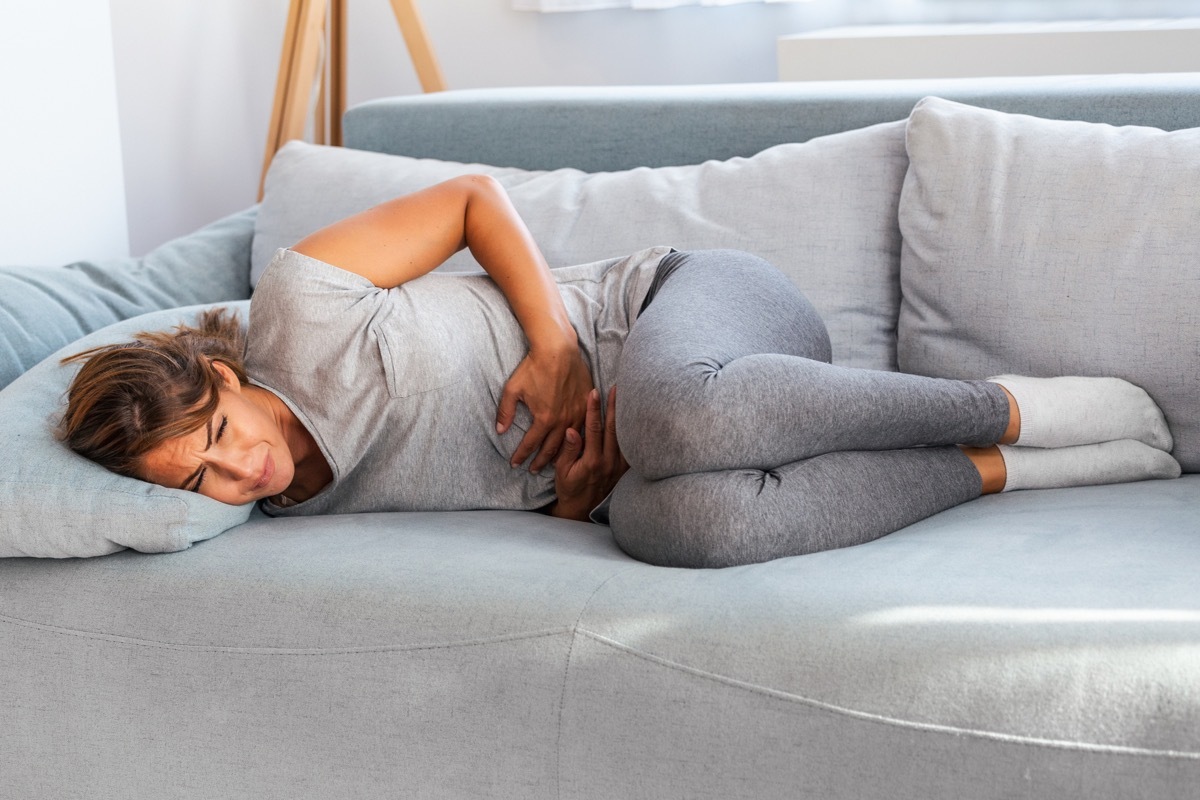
x: 475, y: 182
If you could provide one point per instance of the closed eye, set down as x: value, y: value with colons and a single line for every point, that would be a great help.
x: 217, y: 438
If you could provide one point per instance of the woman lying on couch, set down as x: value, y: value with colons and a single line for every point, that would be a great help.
x: 368, y: 384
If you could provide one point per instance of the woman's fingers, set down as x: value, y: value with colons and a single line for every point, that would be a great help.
x: 587, y: 449
x: 598, y: 444
x: 506, y: 411
x: 530, y: 442
x: 548, y: 449
x: 593, y: 446
x: 569, y: 454
x: 555, y: 402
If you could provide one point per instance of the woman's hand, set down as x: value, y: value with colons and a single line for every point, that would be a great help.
x: 554, y: 385
x: 586, y: 471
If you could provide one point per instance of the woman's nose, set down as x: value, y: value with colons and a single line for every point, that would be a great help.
x: 236, y: 465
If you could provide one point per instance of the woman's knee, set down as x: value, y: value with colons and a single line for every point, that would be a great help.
x: 657, y: 420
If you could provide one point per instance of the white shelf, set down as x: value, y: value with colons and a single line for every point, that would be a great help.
x: 991, y: 50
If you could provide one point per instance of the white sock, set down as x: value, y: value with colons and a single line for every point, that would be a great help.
x: 1069, y: 411
x: 1085, y: 465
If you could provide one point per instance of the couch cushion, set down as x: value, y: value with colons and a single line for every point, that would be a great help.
x: 353, y: 653
x: 824, y: 212
x: 1047, y: 247
x: 1033, y: 644
x: 56, y: 504
x: 43, y: 309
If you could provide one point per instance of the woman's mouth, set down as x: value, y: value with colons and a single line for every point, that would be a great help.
x: 267, y: 473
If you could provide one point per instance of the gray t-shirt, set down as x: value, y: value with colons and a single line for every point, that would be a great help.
x: 399, y: 387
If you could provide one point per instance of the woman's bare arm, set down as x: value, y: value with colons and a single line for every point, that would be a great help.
x: 409, y: 236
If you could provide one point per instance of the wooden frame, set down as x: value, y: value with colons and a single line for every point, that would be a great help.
x: 314, y: 26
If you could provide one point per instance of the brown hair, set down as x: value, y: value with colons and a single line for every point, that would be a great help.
x: 129, y: 398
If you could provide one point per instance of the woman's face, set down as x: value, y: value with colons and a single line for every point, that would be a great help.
x: 240, y: 455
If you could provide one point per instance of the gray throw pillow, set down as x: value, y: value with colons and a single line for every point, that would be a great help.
x: 824, y: 212
x: 45, y: 308
x: 56, y: 504
x: 1047, y: 247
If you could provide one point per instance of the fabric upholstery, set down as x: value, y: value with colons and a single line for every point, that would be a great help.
x: 1018, y: 646
x: 823, y: 212
x: 597, y: 128
x: 1048, y: 247
x: 43, y: 309
x: 56, y: 504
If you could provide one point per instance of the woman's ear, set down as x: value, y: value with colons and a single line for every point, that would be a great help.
x: 228, y: 376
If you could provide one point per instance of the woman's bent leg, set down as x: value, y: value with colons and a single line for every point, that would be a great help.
x: 728, y: 368
x: 721, y: 519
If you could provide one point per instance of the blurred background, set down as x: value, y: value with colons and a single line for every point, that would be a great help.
x: 130, y: 122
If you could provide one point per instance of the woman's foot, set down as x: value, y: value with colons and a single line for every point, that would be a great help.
x: 1121, y: 461
x: 1072, y: 411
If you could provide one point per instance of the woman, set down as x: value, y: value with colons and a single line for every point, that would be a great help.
x: 370, y: 384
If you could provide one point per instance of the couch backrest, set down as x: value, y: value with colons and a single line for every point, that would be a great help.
x: 983, y: 243
x: 610, y: 128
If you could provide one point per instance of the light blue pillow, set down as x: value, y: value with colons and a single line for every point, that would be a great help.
x: 56, y: 504
x: 45, y: 308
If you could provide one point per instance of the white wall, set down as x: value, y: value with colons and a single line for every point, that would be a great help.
x: 60, y: 150
x: 196, y: 78
x: 195, y: 82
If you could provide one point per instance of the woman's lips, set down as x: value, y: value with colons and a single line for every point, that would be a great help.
x: 267, y: 473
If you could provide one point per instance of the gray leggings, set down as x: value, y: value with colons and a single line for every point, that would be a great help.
x: 745, y: 444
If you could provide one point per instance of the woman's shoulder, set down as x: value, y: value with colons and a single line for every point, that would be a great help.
x: 291, y: 269
x: 303, y: 308
x: 300, y: 287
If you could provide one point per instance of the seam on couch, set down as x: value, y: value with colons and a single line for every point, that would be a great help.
x: 882, y: 719
x: 562, y: 697
x: 282, y: 651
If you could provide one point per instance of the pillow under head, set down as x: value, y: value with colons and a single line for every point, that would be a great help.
x: 56, y: 504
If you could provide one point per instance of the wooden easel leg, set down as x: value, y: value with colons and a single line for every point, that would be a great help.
x: 297, y: 73
x: 320, y: 126
x: 301, y: 59
x: 428, y: 71
x: 337, y: 70
x: 285, y: 68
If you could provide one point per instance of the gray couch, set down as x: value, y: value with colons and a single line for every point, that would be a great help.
x: 1041, y: 644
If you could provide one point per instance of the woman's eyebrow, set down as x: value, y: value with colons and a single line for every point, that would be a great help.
x: 207, y: 444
